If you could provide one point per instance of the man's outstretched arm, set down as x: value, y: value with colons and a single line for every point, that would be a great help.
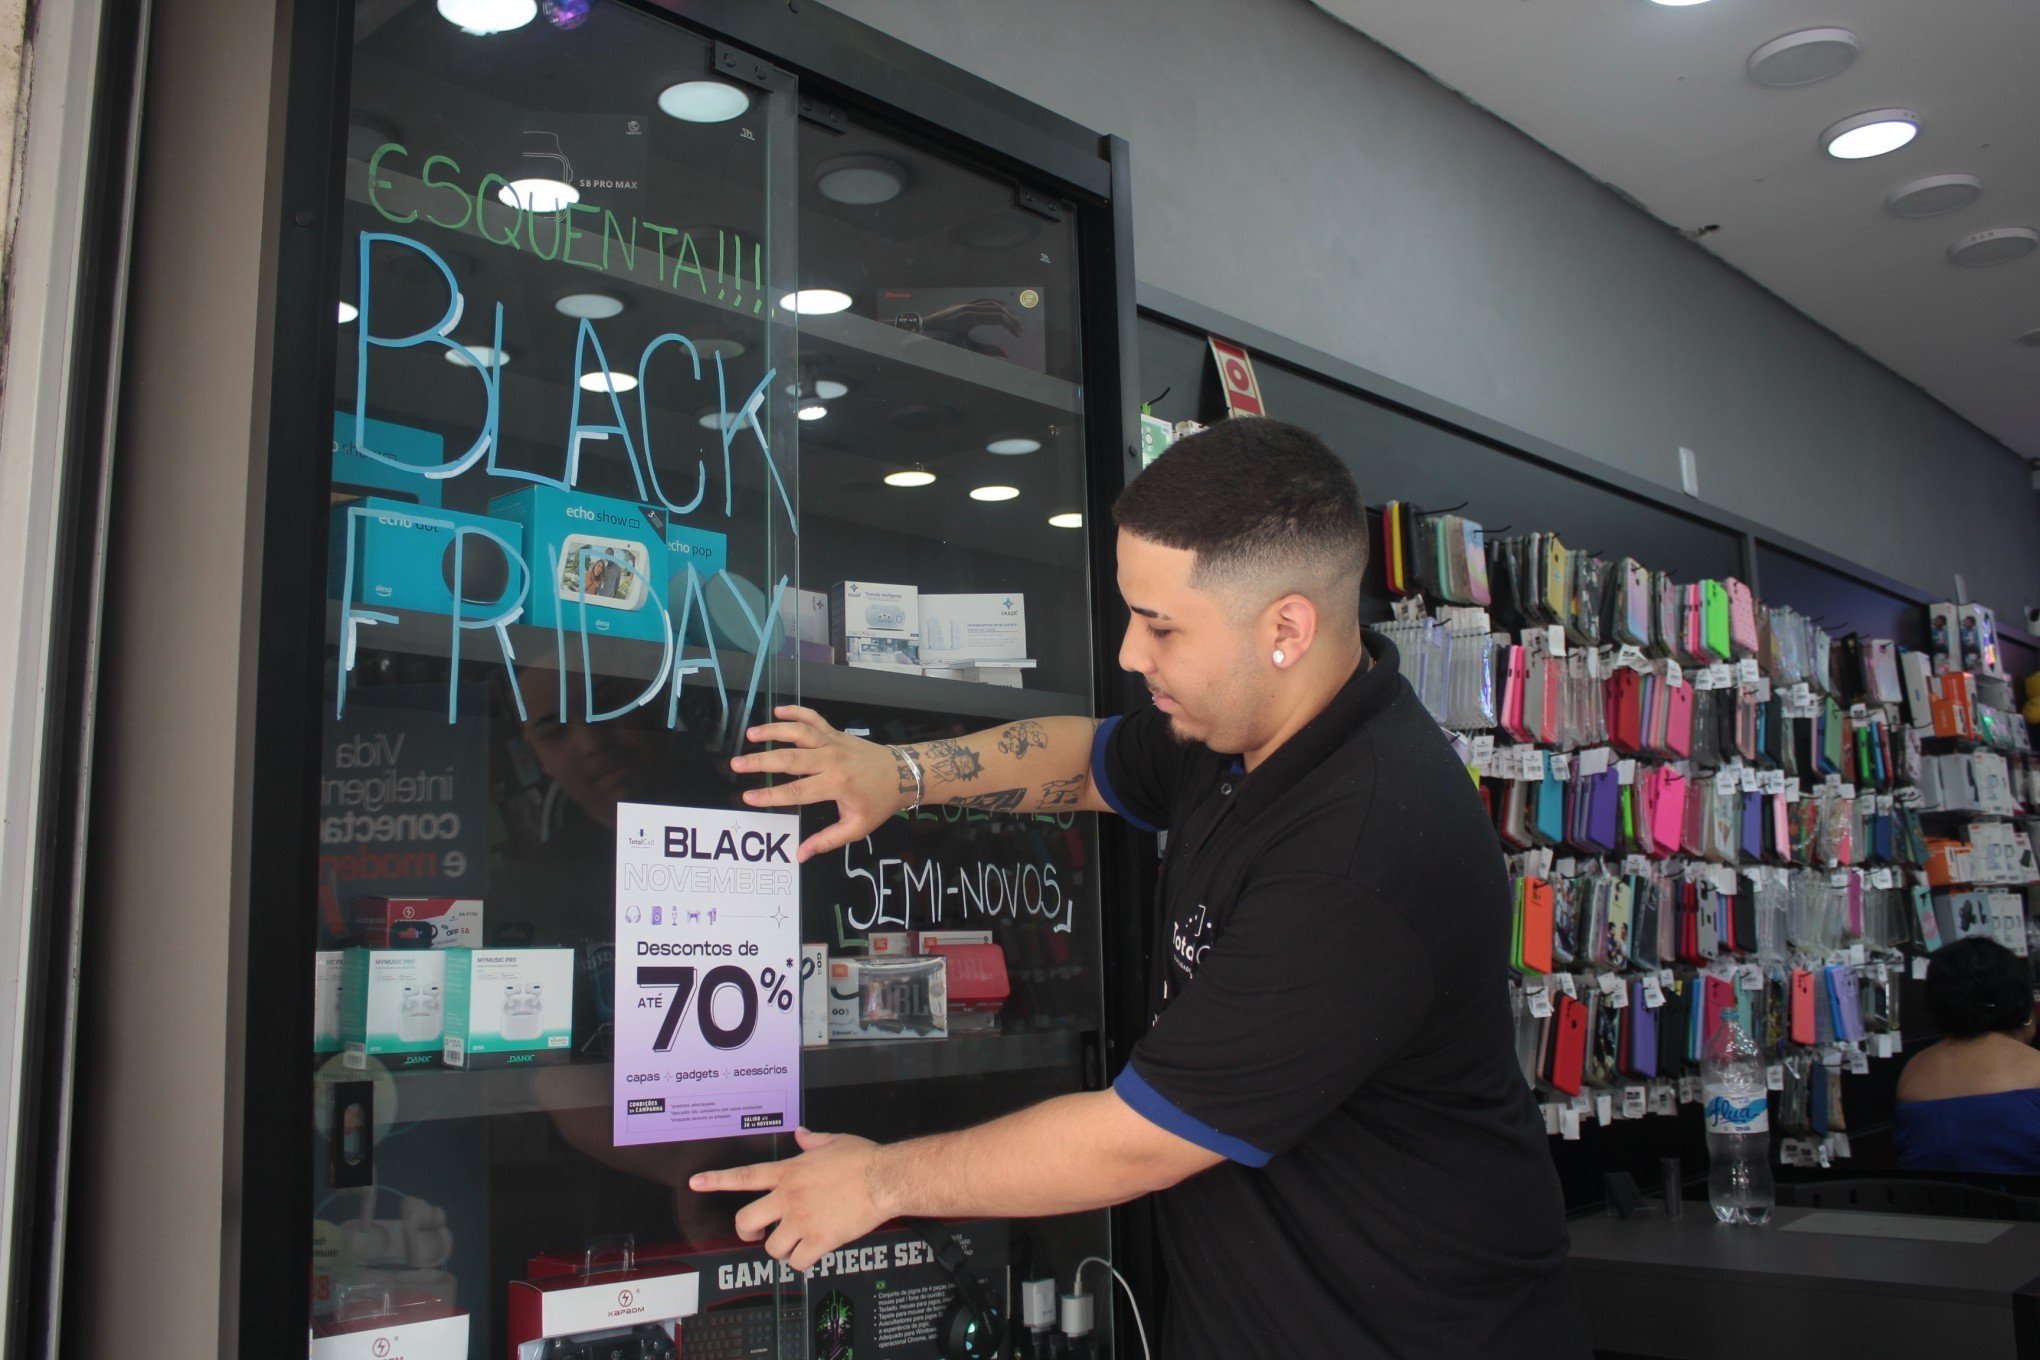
x: 1063, y: 1156
x: 1032, y: 765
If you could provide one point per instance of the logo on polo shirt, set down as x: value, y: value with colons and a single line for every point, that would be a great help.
x: 1190, y: 939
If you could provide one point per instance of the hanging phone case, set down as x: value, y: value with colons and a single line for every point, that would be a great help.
x: 1678, y: 701
x: 1392, y: 549
x: 1513, y: 684
x: 1473, y: 550
x: 1567, y: 1065
x: 1536, y: 926
x: 1742, y: 618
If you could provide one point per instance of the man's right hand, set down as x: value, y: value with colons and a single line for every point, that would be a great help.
x: 865, y: 781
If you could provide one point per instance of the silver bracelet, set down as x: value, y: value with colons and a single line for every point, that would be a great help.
x: 901, y: 753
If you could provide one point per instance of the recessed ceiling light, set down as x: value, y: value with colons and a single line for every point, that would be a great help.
x: 2031, y: 337
x: 348, y: 311
x: 1804, y: 57
x: 608, y: 382
x: 714, y: 345
x: 1068, y: 519
x: 1934, y: 195
x: 1013, y: 446
x: 703, y: 101
x: 1999, y: 245
x: 827, y: 389
x: 538, y: 195
x: 1871, y: 134
x: 589, y: 306
x: 910, y: 477
x: 814, y: 412
x: 860, y: 181
x: 490, y: 358
x: 716, y: 420
x: 482, y: 17
x: 816, y: 301
x: 1678, y: 4
x: 994, y: 493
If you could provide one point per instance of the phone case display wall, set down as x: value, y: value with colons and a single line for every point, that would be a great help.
x: 654, y: 408
x: 1710, y: 805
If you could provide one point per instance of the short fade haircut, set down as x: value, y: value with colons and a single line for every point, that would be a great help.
x: 1977, y: 986
x: 1266, y: 506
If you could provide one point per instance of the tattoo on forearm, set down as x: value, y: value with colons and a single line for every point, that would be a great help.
x: 908, y: 784
x: 1005, y: 800
x: 1062, y: 792
x: 953, y: 762
x: 1022, y: 737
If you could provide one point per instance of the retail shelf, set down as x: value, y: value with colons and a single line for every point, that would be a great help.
x: 447, y: 1093
x: 419, y: 634
x: 953, y: 362
x: 1976, y: 815
x: 741, y: 299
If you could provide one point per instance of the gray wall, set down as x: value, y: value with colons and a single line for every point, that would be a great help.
x: 1300, y: 177
x: 155, y: 1257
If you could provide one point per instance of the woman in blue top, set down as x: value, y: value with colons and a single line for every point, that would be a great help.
x: 1972, y: 1101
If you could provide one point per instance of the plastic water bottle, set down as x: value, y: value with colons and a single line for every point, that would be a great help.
x: 1738, y: 1126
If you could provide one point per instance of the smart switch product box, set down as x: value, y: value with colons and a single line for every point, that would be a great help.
x: 403, y: 557
x: 804, y: 619
x: 509, y: 1007
x: 393, y: 1006
x: 327, y: 969
x: 419, y: 922
x: 617, y: 552
x: 961, y: 629
x: 874, y: 625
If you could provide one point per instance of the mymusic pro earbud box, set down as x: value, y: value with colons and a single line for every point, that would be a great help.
x: 616, y: 552
x: 393, y: 1006
x: 405, y: 556
x: 329, y: 967
x: 509, y: 1007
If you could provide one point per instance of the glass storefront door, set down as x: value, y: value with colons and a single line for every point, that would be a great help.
x: 656, y: 406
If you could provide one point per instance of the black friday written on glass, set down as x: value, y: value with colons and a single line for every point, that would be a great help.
x: 482, y: 456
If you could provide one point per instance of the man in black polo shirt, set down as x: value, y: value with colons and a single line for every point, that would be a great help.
x: 1346, y: 1159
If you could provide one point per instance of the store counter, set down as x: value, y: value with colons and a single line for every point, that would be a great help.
x: 1812, y: 1282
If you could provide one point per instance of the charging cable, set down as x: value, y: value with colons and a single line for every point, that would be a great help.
x: 1077, y: 1282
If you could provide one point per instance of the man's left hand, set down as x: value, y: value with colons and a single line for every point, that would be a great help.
x: 818, y: 1200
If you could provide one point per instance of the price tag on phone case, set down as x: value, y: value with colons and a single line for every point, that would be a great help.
x: 1774, y: 1077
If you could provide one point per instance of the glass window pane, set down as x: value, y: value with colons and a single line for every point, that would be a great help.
x: 564, y: 489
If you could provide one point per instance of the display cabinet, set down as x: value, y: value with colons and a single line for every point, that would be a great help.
x: 675, y: 379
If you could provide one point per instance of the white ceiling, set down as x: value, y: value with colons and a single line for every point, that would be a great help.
x: 1656, y: 101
